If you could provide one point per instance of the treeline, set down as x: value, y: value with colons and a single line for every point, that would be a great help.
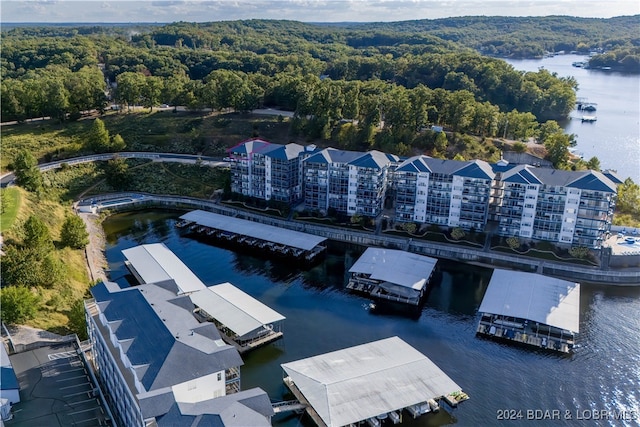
x: 257, y: 57
x: 523, y: 37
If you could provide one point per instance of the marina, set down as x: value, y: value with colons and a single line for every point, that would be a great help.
x: 393, y: 275
x: 531, y: 309
x: 243, y: 321
x: 370, y: 383
x: 251, y: 235
x: 323, y: 316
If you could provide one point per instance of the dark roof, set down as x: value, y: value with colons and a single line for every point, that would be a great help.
x: 156, y: 403
x: 253, y: 146
x: 595, y: 181
x: 414, y: 164
x: 584, y: 180
x: 246, y: 408
x: 476, y: 169
x: 284, y: 152
x: 165, y: 350
x: 371, y: 159
x: 8, y: 379
x: 613, y: 176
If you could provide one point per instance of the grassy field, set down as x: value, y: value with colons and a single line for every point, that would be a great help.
x: 10, y: 199
x: 182, y: 132
x: 58, y: 300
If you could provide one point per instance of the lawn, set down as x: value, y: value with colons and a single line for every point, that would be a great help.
x: 10, y: 199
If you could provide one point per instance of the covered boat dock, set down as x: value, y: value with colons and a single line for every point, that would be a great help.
x: 531, y: 309
x: 369, y: 383
x: 392, y: 275
x: 242, y: 320
x: 279, y: 241
x: 155, y: 263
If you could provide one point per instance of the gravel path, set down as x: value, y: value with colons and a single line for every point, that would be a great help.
x: 94, y: 252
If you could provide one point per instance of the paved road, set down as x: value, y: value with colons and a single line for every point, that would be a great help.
x: 8, y: 178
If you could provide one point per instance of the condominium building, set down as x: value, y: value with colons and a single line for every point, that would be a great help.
x: 444, y: 192
x: 560, y: 206
x: 159, y: 366
x: 349, y: 182
x: 266, y: 171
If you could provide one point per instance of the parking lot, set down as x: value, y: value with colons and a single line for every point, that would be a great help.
x: 55, y: 389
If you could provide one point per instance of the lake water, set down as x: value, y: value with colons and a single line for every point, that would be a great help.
x: 603, y: 374
x: 615, y: 137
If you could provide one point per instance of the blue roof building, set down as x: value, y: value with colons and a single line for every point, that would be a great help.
x: 156, y: 362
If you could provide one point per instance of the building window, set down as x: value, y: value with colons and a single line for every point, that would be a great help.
x: 219, y: 376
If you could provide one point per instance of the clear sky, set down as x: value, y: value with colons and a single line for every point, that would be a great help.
x: 300, y: 10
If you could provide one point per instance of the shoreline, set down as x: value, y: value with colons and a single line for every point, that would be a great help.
x: 94, y: 251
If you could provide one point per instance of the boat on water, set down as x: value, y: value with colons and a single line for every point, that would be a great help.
x: 590, y: 107
x: 589, y: 119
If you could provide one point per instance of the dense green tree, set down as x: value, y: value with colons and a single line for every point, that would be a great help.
x: 19, y: 304
x: 117, y: 172
x: 151, y: 92
x: 628, y: 197
x: 557, y: 146
x: 593, y: 163
x: 98, y: 137
x: 77, y: 320
x: 117, y: 144
x: 131, y: 87
x: 37, y: 236
x: 74, y: 232
x: 25, y: 168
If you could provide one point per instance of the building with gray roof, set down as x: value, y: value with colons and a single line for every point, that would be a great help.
x: 243, y: 320
x: 360, y: 383
x: 154, y: 359
x: 266, y: 171
x: 349, y: 182
x: 567, y: 207
x: 392, y: 275
x: 531, y: 309
x: 155, y: 263
x: 444, y: 192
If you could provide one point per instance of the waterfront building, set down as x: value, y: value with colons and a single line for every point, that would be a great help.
x: 158, y: 365
x: 370, y: 382
x: 266, y: 171
x: 348, y: 182
x: 531, y: 309
x: 155, y: 263
x: 443, y: 192
x: 243, y: 321
x: 567, y: 207
x: 250, y: 234
x: 392, y: 275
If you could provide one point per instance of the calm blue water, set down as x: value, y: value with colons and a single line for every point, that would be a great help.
x: 615, y: 137
x: 603, y: 374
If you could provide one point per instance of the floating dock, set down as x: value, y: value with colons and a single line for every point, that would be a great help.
x: 155, y: 263
x: 370, y: 383
x: 393, y: 275
x: 531, y: 309
x: 253, y: 235
x: 242, y: 320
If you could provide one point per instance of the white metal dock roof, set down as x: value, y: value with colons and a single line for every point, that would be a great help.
x: 399, y: 267
x: 265, y: 232
x: 156, y: 263
x: 351, y: 385
x: 535, y: 297
x: 235, y: 309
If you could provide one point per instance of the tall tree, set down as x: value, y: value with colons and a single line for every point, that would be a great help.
x: 25, y: 167
x: 557, y: 146
x: 37, y: 235
x: 98, y: 137
x: 19, y: 304
x: 74, y: 232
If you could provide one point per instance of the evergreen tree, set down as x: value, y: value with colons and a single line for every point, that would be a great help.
x: 117, y: 144
x: 18, y: 303
x: 98, y: 137
x: 74, y: 233
x: 26, y: 171
x: 37, y: 236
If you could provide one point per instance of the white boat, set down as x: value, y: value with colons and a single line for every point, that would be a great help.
x: 589, y: 119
